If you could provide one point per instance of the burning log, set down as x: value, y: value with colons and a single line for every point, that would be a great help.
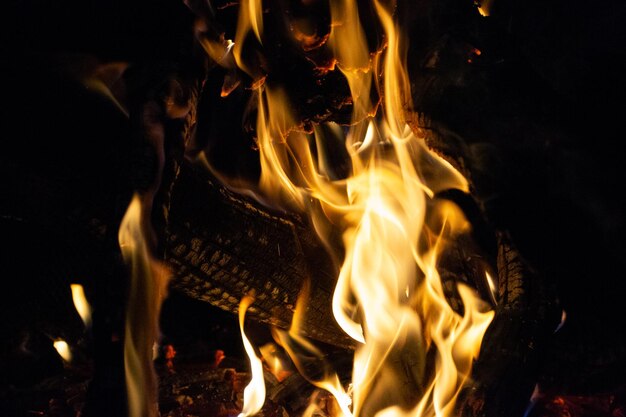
x: 224, y: 244
x: 516, y: 152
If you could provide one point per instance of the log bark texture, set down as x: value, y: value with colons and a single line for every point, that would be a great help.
x: 222, y: 246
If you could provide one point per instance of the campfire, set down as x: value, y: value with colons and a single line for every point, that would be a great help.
x: 321, y: 208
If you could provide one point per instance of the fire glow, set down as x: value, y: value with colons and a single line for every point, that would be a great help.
x: 389, y: 296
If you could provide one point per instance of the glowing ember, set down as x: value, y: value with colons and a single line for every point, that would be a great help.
x: 80, y: 302
x: 254, y: 393
x: 170, y: 354
x: 415, y: 352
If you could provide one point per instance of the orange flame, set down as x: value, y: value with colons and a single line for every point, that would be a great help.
x: 302, y: 352
x: 415, y: 352
x: 485, y: 7
x: 274, y: 362
x: 250, y: 19
x: 148, y: 285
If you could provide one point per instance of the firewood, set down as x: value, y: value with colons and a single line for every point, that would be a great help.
x: 222, y: 246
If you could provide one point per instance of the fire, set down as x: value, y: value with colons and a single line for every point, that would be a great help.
x: 63, y: 349
x: 492, y: 287
x: 274, y: 362
x: 302, y: 352
x: 254, y: 393
x: 414, y: 352
x: 485, y: 6
x: 148, y: 284
x: 80, y: 302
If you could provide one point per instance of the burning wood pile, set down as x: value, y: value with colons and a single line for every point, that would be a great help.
x: 397, y: 200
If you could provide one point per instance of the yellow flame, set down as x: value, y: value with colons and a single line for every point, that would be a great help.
x: 302, y: 352
x: 63, y: 349
x: 80, y: 302
x: 272, y: 357
x: 148, y: 285
x: 485, y: 7
x: 254, y: 393
x: 415, y: 352
x: 218, y: 51
x: 250, y: 19
x: 353, y: 57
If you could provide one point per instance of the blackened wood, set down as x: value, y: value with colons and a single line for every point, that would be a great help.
x: 222, y: 246
x: 509, y: 363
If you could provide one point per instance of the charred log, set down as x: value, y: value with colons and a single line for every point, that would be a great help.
x: 223, y: 246
x: 484, y: 104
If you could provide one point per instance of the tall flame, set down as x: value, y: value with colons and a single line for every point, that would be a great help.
x: 250, y: 19
x: 414, y: 352
x: 254, y: 393
x: 148, y: 284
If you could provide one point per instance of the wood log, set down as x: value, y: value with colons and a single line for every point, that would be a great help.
x: 513, y: 140
x: 490, y: 114
x: 222, y: 246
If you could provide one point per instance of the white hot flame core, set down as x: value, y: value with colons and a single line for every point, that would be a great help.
x: 254, y: 393
x: 414, y: 352
x: 63, y: 350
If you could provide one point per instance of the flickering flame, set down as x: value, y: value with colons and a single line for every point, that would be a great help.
x: 303, y: 352
x: 63, y: 350
x: 254, y: 393
x: 414, y: 352
x: 80, y: 302
x: 148, y: 285
x: 274, y: 362
x: 484, y: 7
x: 250, y: 19
x: 492, y: 287
x: 353, y: 58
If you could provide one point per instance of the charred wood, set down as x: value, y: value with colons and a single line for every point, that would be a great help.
x: 224, y: 245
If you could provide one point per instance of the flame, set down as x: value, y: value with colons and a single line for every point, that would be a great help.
x: 250, y: 19
x: 80, y: 302
x: 254, y: 393
x: 274, y: 362
x: 63, y: 349
x: 414, y: 352
x: 148, y: 284
x: 304, y: 353
x: 353, y: 58
x: 485, y: 7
